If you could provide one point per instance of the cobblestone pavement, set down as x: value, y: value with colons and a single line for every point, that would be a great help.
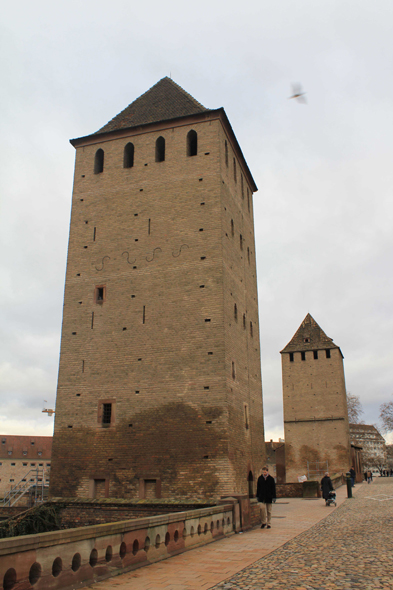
x: 351, y: 548
x: 208, y: 565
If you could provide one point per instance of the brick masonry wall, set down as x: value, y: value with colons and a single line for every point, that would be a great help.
x: 242, y: 352
x: 77, y: 514
x: 315, y: 413
x: 157, y: 348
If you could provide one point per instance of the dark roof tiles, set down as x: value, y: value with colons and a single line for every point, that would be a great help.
x: 309, y: 336
x: 165, y: 100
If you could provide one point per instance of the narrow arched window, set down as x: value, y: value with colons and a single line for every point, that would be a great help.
x: 99, y: 161
x: 235, y: 312
x: 128, y: 161
x: 226, y: 153
x: 160, y: 149
x: 232, y: 228
x: 192, y: 143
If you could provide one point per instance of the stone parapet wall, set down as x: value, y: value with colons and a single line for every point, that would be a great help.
x: 289, y: 490
x: 80, y: 556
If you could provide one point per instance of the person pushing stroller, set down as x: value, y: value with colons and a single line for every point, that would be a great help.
x: 327, y: 488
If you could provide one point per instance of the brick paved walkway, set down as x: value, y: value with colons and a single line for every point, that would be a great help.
x: 351, y: 548
x: 310, y: 546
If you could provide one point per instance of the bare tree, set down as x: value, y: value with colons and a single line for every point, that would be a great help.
x: 386, y: 416
x: 373, y: 460
x: 355, y: 409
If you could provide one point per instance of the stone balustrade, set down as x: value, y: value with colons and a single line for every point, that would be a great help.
x: 76, y: 557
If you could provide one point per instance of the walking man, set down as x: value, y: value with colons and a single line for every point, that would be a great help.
x: 266, y: 494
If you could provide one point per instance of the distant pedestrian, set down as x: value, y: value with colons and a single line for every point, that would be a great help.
x: 326, y: 486
x: 369, y: 476
x: 353, y: 476
x: 266, y: 494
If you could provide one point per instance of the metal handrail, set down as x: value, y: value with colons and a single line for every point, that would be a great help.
x: 22, y: 487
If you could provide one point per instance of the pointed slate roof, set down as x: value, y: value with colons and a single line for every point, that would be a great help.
x: 309, y: 336
x: 165, y: 100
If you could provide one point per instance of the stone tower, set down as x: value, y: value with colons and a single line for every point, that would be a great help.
x: 315, y: 405
x: 159, y: 387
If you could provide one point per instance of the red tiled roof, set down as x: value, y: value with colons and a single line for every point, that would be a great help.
x: 25, y: 447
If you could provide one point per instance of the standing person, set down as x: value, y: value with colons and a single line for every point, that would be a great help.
x: 326, y: 486
x: 369, y: 476
x: 353, y: 475
x: 266, y: 494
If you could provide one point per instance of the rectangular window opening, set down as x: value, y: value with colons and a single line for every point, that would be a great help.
x: 148, y: 228
x: 315, y: 354
x: 99, y: 294
x: 328, y: 354
x: 246, y: 417
x: 303, y: 356
x: 291, y: 357
x: 143, y: 315
x: 106, y: 413
x: 94, y: 234
x: 92, y: 319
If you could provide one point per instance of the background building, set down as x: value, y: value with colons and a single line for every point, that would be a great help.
x: 373, y: 445
x: 315, y: 406
x: 24, y: 459
x: 159, y: 389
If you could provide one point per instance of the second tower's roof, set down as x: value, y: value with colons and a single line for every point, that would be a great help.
x: 309, y: 336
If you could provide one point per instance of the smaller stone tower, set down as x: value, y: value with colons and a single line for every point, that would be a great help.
x: 315, y: 405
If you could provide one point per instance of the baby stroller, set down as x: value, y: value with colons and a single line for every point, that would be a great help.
x: 331, y: 499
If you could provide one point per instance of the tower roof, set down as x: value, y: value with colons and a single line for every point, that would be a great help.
x: 165, y: 100
x: 165, y: 104
x: 309, y: 336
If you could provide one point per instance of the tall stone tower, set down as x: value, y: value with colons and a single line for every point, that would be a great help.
x: 315, y: 404
x: 159, y: 388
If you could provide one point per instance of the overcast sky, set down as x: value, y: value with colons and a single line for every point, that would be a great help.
x: 323, y: 212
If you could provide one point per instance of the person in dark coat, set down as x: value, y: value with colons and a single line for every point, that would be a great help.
x: 266, y: 494
x: 353, y: 476
x: 326, y: 486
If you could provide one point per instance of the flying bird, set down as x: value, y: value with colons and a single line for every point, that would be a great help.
x: 298, y: 93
